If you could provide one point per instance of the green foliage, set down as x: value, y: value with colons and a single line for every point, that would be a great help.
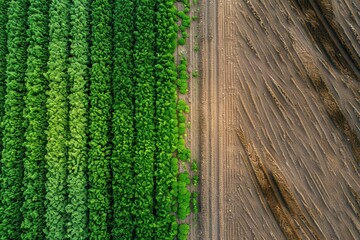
x: 122, y: 162
x: 195, y: 74
x: 174, y: 167
x: 183, y: 206
x: 186, y: 22
x: 166, y: 166
x: 78, y: 121
x: 194, y: 203
x: 182, y: 76
x: 181, y: 41
x: 184, y: 177
x: 194, y: 166
x: 12, y: 125
x: 144, y: 60
x: 184, y: 35
x: 186, y: 2
x: 182, y: 106
x: 33, y: 208
x: 57, y: 111
x: 100, y: 103
x: 3, y: 53
x: 184, y: 196
x: 182, y: 67
x: 181, y: 14
x: 182, y: 128
x: 183, y: 28
x: 184, y: 230
x: 181, y: 118
x: 196, y: 180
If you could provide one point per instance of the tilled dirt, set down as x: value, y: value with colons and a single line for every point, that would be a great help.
x: 275, y: 119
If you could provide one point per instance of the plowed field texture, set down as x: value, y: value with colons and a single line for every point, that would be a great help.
x: 180, y: 119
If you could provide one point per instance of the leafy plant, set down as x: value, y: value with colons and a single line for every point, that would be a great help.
x: 194, y: 202
x: 181, y: 41
x: 3, y: 53
x: 78, y: 121
x: 184, y: 230
x: 144, y: 60
x: 12, y: 124
x: 33, y: 208
x: 122, y: 160
x: 100, y: 119
x: 194, y: 166
x: 57, y: 112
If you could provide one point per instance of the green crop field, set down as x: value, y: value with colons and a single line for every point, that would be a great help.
x: 92, y: 125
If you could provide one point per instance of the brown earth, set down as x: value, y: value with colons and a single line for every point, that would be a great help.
x: 275, y: 118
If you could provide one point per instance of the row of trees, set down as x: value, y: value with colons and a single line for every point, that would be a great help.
x: 90, y: 120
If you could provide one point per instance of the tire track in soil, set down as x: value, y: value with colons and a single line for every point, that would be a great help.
x: 210, y: 202
x: 204, y: 168
x: 214, y: 116
x: 217, y: 167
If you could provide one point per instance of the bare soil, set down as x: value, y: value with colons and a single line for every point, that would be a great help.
x: 275, y: 118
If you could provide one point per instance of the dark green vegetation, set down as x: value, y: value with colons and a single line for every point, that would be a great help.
x: 3, y: 53
x: 122, y: 161
x: 92, y: 127
x: 33, y: 207
x: 99, y: 126
x: 12, y: 167
x: 144, y: 56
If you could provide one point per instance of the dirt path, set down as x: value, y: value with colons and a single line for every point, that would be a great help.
x: 210, y: 140
x: 275, y: 124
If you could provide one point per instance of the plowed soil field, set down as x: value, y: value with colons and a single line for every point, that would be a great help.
x: 275, y: 118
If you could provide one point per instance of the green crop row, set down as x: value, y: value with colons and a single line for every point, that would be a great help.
x: 122, y: 161
x: 100, y: 120
x: 3, y: 53
x: 78, y: 72
x: 144, y: 59
x: 57, y: 111
x: 12, y: 123
x: 166, y: 166
x: 33, y: 208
